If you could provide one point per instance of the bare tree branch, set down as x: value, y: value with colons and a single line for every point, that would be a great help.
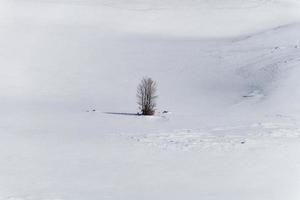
x: 146, y: 95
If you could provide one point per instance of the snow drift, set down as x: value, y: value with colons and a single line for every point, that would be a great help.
x: 227, y: 72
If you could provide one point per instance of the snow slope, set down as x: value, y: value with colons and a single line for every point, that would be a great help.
x: 209, y: 18
x: 226, y: 70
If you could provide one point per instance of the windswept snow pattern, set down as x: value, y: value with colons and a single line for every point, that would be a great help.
x: 228, y: 77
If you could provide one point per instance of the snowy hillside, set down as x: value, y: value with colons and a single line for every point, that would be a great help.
x: 210, y: 18
x: 227, y: 72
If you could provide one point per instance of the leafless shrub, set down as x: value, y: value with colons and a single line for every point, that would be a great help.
x: 146, y: 95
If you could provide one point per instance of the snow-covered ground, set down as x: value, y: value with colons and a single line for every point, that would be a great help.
x: 227, y: 72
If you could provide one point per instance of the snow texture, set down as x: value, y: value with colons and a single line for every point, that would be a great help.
x: 227, y: 73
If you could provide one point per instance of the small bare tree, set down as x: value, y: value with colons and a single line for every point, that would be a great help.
x: 146, y: 95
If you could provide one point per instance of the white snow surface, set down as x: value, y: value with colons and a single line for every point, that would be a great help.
x: 227, y: 73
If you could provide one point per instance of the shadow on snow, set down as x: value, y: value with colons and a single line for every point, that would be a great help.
x: 122, y: 113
